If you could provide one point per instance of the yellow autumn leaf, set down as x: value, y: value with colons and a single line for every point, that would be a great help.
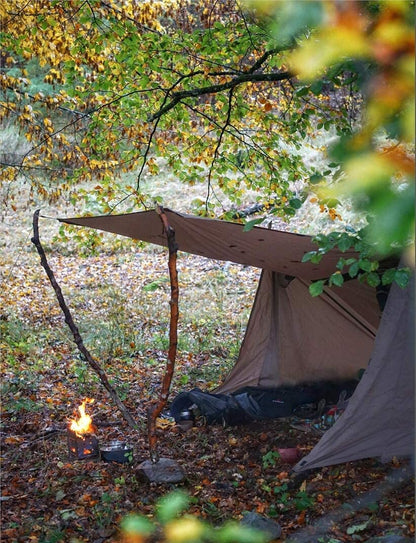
x: 163, y: 424
x: 333, y: 214
x: 365, y: 171
x: 183, y: 530
x: 391, y: 33
x: 327, y: 47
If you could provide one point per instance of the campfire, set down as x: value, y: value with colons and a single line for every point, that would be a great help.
x: 82, y: 442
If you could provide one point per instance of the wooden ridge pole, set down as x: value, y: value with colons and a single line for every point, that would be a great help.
x: 155, y: 409
x: 75, y: 332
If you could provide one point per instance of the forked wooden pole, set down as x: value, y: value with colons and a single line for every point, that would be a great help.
x: 75, y: 332
x: 155, y: 409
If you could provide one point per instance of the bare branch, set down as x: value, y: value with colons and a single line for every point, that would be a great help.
x: 217, y: 147
x: 75, y: 332
x: 247, y: 77
x: 260, y: 61
x: 152, y: 133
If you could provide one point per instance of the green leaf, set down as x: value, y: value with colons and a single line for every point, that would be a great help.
x: 315, y: 179
x: 317, y: 257
x: 317, y: 87
x: 302, y: 91
x: 341, y: 264
x: 331, y: 202
x: 336, y: 279
x: 249, y: 225
x: 290, y: 211
x: 307, y: 256
x: 270, y: 458
x: 354, y: 268
x: 393, y: 218
x: 172, y: 505
x: 232, y: 532
x: 344, y: 243
x: 154, y: 285
x: 68, y: 514
x: 137, y: 525
x: 302, y: 501
x: 365, y: 264
x: 316, y: 288
x: 293, y: 18
x: 358, y: 528
x: 321, y: 240
x: 373, y: 279
x: 388, y: 276
x: 402, y: 277
x: 295, y: 203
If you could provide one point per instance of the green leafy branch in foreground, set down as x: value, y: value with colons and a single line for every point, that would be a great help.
x: 366, y: 267
x: 186, y: 528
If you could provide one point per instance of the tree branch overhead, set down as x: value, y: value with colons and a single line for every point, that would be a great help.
x: 214, y: 89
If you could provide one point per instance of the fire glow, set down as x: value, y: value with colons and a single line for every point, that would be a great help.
x: 82, y: 442
x: 83, y: 425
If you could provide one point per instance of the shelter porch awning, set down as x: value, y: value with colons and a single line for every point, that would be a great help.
x: 221, y: 240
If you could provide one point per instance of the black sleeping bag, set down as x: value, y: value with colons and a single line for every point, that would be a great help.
x: 255, y: 403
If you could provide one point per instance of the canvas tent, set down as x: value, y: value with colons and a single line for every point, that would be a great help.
x: 292, y: 337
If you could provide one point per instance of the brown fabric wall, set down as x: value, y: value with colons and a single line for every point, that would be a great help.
x: 260, y: 338
x: 380, y: 418
x: 292, y: 337
x: 320, y: 339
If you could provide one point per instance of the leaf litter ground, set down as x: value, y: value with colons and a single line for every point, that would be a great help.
x: 120, y: 300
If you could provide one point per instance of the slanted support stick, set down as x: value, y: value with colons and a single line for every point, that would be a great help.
x: 155, y: 409
x: 75, y: 332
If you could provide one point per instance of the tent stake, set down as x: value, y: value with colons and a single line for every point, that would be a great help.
x: 155, y: 409
x: 74, y: 329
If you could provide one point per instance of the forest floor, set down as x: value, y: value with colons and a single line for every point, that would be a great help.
x: 119, y: 296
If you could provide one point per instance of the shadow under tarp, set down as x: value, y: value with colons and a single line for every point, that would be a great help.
x: 254, y: 403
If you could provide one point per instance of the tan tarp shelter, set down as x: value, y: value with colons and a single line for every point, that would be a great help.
x: 292, y: 337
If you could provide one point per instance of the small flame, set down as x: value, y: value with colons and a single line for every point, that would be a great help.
x: 83, y: 425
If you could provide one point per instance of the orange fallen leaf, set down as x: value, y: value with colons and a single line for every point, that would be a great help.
x: 12, y: 440
x: 301, y: 518
x: 261, y: 507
